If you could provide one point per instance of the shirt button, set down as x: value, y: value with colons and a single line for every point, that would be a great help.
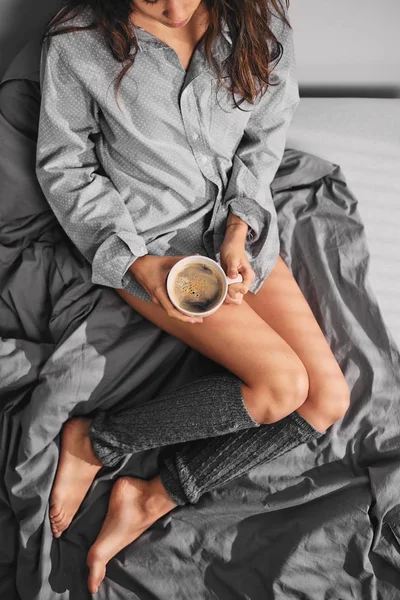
x: 195, y: 136
x: 203, y: 159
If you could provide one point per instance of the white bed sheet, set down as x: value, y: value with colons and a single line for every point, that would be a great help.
x: 362, y: 135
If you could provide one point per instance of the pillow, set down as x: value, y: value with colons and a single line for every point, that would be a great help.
x: 19, y: 117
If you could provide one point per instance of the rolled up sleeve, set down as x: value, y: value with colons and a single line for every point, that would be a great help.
x: 85, y: 201
x: 260, y: 151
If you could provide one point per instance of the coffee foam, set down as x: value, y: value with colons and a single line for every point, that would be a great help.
x: 198, y: 287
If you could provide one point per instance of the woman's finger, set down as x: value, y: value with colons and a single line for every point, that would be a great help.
x: 235, y: 288
x: 234, y: 295
x: 248, y: 277
x: 232, y: 269
x: 230, y: 300
x: 239, y: 287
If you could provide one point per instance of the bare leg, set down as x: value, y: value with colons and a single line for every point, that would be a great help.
x: 77, y: 467
x: 281, y: 303
x: 133, y: 507
x: 274, y: 383
x: 111, y: 539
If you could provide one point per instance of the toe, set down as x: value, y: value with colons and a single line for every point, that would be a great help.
x: 57, y: 520
x: 61, y: 521
x: 62, y: 526
x: 58, y: 526
x: 54, y: 511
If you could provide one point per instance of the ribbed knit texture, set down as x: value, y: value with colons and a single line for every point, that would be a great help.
x: 200, y: 466
x: 210, y: 406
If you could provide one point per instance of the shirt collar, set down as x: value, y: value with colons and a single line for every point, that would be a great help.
x: 222, y: 44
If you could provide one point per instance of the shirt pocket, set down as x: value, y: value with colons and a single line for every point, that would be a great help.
x: 227, y: 122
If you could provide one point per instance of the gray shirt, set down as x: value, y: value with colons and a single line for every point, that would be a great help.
x: 159, y: 173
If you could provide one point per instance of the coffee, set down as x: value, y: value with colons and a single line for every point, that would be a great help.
x: 197, y: 287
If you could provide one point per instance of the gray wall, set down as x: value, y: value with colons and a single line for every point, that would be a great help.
x: 338, y: 42
x: 347, y: 42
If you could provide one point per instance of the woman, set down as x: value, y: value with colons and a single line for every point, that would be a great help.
x: 177, y: 159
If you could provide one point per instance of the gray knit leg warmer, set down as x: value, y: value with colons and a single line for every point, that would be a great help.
x: 210, y: 406
x: 195, y: 468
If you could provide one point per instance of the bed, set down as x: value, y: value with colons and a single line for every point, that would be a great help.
x: 321, y: 522
x: 362, y: 135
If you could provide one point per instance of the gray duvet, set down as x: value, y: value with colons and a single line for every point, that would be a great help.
x: 321, y: 522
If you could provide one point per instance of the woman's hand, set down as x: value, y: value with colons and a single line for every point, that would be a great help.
x: 151, y: 272
x: 234, y: 261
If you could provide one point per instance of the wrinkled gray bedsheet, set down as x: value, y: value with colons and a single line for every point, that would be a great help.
x: 321, y: 522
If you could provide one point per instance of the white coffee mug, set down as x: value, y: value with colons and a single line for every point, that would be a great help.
x: 198, y: 258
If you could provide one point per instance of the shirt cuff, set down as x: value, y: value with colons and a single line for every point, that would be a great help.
x: 114, y: 257
x: 258, y: 220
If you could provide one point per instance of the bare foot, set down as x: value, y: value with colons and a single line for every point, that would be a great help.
x: 77, y: 468
x: 134, y: 505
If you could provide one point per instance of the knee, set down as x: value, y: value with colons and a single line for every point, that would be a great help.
x: 286, y: 392
x: 330, y: 404
x: 338, y: 402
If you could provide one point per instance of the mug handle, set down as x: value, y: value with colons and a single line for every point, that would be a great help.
x: 237, y: 279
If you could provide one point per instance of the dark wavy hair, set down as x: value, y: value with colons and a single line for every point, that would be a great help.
x: 254, y: 45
